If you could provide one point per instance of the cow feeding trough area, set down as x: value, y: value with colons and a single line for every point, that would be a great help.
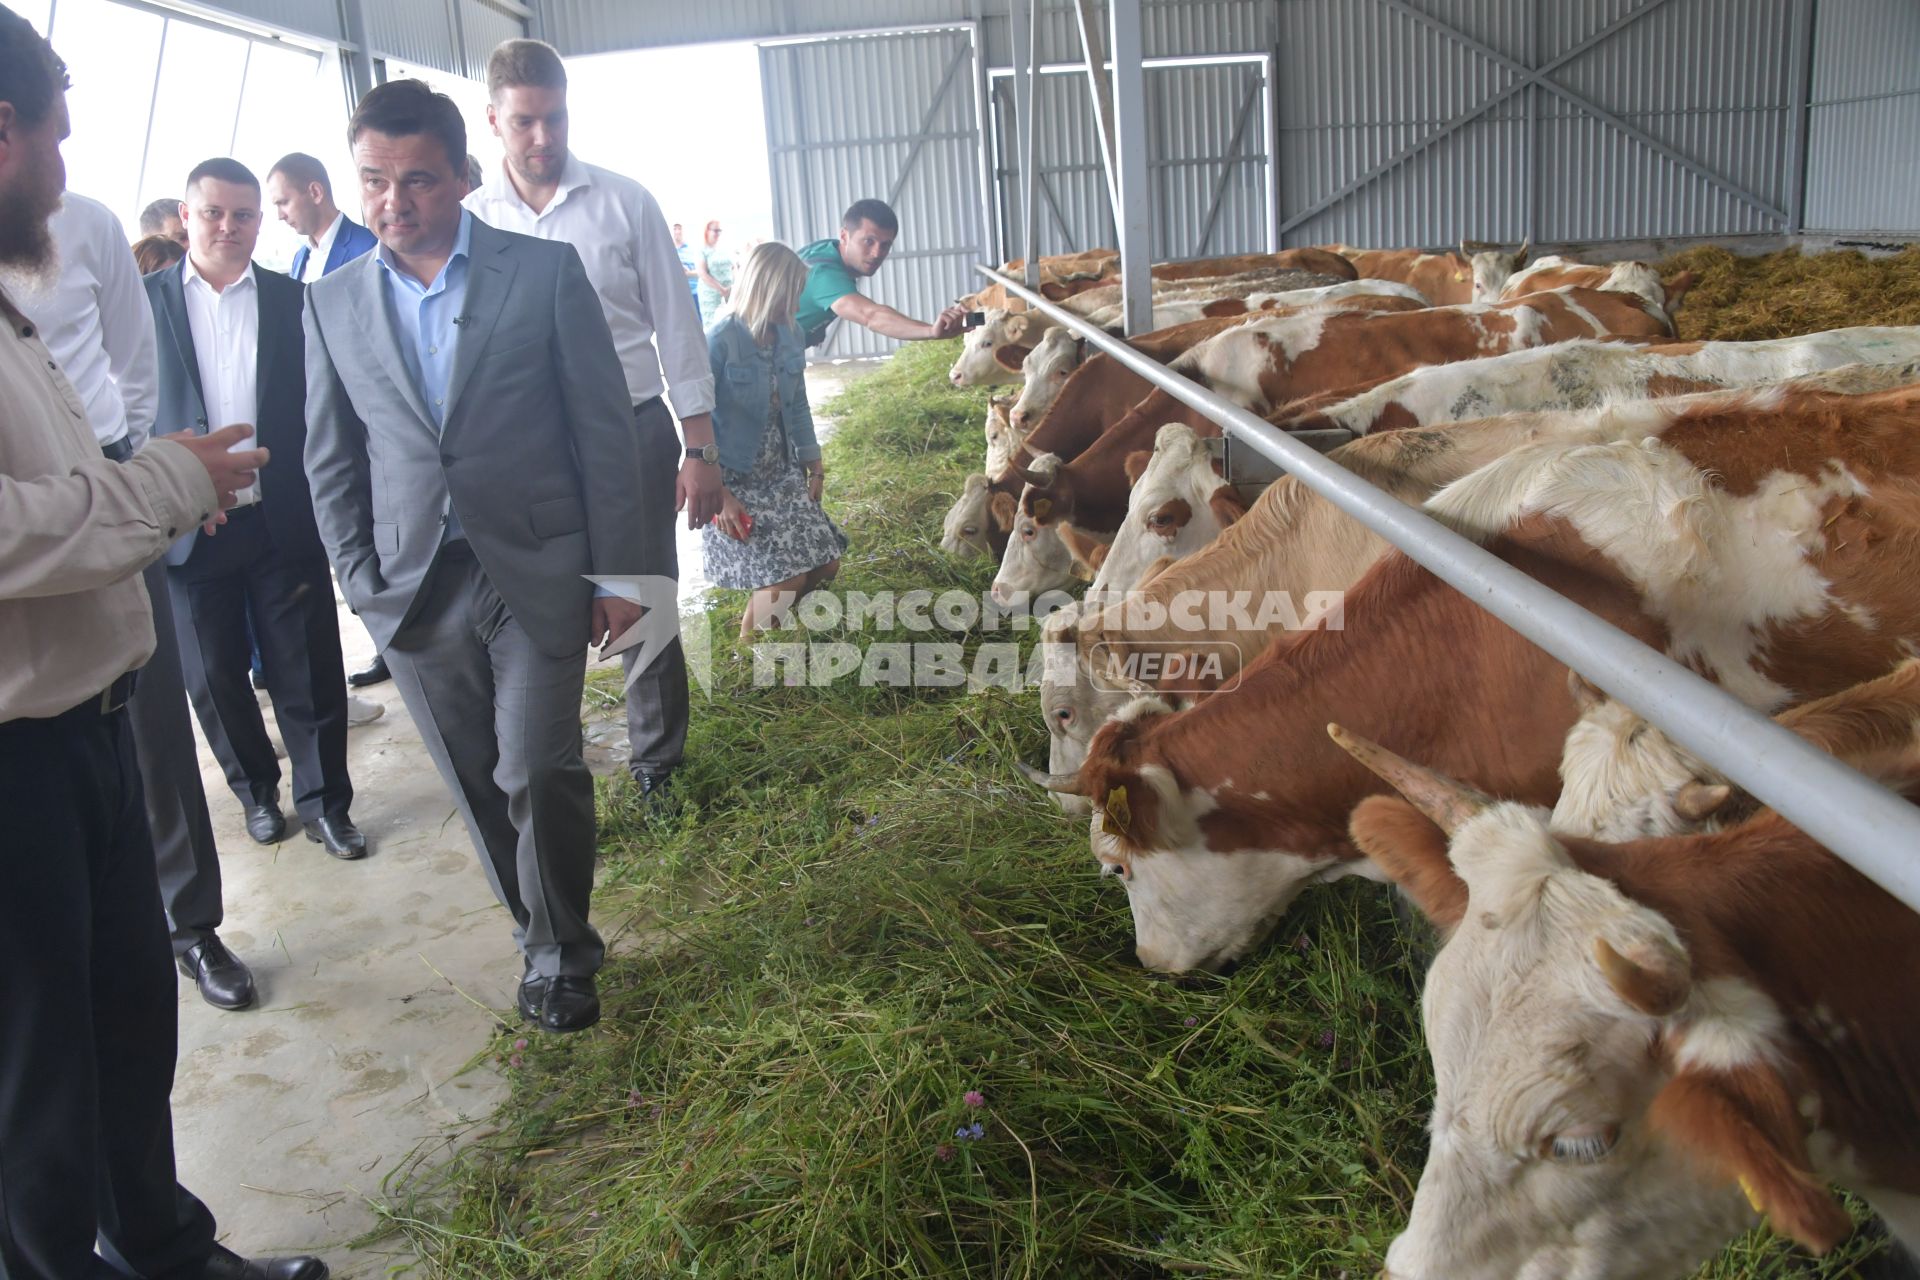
x: 873, y: 1013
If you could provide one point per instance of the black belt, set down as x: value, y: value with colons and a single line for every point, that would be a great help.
x: 105, y: 703
x: 646, y: 404
x: 119, y: 450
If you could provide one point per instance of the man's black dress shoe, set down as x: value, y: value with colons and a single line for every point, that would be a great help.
x: 337, y: 832
x: 373, y: 673
x: 566, y: 1003
x: 224, y: 980
x: 266, y: 824
x: 225, y: 1264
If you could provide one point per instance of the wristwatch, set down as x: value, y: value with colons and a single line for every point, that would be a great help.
x: 704, y: 452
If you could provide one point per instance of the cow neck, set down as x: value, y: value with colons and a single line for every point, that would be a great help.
x: 1835, y: 953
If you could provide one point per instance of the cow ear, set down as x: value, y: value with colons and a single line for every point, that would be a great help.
x: 1649, y: 973
x: 1741, y: 1124
x: 1010, y: 357
x: 1676, y: 289
x: 1017, y: 326
x: 1413, y: 852
x: 1136, y: 465
x: 1227, y: 504
x: 1520, y: 258
x: 1586, y: 694
x: 1089, y: 551
x: 1003, y: 511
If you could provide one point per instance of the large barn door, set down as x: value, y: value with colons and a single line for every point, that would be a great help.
x: 1207, y: 162
x: 891, y: 115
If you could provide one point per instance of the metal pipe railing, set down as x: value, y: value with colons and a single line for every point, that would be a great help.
x: 1873, y: 829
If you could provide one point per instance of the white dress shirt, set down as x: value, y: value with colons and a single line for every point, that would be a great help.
x: 96, y: 321
x: 226, y: 342
x: 622, y: 238
x: 317, y: 257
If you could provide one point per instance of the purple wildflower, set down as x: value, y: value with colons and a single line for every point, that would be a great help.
x: 519, y: 1046
x: 974, y: 1098
x: 514, y: 1061
x: 1301, y: 944
x: 943, y: 1152
x: 634, y: 1099
x: 1191, y: 1021
x: 961, y: 1133
x: 976, y: 1130
x: 1326, y: 1039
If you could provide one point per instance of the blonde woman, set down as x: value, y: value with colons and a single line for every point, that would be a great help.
x: 771, y: 536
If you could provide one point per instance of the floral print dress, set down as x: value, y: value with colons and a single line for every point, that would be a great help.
x: 791, y: 534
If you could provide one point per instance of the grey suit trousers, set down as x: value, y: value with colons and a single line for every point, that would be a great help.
x: 657, y: 698
x: 501, y: 721
x: 183, y: 845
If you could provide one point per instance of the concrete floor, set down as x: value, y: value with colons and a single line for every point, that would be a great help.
x: 380, y: 981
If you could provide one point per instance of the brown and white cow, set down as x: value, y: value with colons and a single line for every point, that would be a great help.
x: 1767, y: 543
x: 1641, y: 1048
x: 1554, y: 272
x: 1583, y: 373
x: 1489, y: 269
x: 981, y: 363
x: 1002, y: 440
x: 1623, y: 779
x: 1097, y: 393
x: 1445, y: 279
x: 1179, y: 503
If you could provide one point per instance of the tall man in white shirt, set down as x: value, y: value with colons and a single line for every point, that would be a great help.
x: 615, y: 224
x: 96, y: 321
x: 232, y: 351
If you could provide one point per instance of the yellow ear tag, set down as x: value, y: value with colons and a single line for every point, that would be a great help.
x: 1119, y: 815
x: 1753, y: 1197
x: 1041, y: 506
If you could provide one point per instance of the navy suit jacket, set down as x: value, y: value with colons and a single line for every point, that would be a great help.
x: 352, y: 241
x: 280, y: 424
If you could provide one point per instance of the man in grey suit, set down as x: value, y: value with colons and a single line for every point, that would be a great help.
x: 472, y: 456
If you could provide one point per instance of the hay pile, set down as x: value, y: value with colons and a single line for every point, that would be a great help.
x: 1780, y: 295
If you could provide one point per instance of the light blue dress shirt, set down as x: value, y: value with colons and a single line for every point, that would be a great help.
x: 428, y: 318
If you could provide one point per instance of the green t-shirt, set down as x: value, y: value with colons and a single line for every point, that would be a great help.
x: 827, y: 281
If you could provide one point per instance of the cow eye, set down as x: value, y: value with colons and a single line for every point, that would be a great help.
x: 1114, y: 869
x: 970, y: 530
x: 1064, y: 715
x: 1586, y: 1145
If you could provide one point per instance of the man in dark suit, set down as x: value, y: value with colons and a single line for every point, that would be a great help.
x: 302, y: 194
x: 473, y: 457
x: 231, y: 351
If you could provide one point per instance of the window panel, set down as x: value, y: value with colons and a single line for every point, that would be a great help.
x: 201, y: 71
x: 292, y: 101
x: 111, y: 52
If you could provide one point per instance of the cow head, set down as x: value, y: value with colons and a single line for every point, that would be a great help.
x: 1598, y: 1110
x: 1075, y: 698
x: 964, y: 531
x: 979, y: 362
x: 1491, y: 269
x: 1036, y: 559
x: 1623, y: 779
x: 1179, y: 504
x: 1001, y: 445
x: 1045, y: 370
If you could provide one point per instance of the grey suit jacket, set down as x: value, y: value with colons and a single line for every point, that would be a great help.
x: 538, y: 458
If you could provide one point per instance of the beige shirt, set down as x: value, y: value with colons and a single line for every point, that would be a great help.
x: 75, y: 530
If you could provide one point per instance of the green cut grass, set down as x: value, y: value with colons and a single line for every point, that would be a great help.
x: 861, y: 915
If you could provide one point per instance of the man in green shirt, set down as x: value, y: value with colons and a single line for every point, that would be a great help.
x: 867, y: 233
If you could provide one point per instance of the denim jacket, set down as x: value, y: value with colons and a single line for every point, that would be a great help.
x: 743, y: 373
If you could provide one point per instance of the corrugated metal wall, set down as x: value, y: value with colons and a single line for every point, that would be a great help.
x: 1865, y: 116
x: 1206, y: 157
x: 893, y: 117
x: 1405, y: 124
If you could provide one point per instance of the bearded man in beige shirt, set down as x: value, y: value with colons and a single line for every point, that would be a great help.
x: 87, y: 1009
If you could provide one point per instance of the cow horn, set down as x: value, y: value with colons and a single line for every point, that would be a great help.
x: 1058, y: 783
x: 1447, y: 802
x: 1696, y: 801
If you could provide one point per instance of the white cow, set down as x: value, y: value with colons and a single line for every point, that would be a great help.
x: 1179, y: 503
x: 964, y: 531
x: 1002, y: 442
x: 1491, y: 268
x: 977, y: 365
x: 1037, y: 558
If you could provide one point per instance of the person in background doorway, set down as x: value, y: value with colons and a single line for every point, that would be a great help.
x: 542, y: 189
x: 99, y: 326
x: 772, y: 537
x: 302, y: 194
x: 162, y: 218
x: 88, y: 1018
x: 867, y: 233
x: 156, y: 253
x: 231, y: 352
x: 687, y: 264
x: 714, y: 267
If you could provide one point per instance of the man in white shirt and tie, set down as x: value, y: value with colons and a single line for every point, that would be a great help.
x: 96, y: 322
x: 232, y: 351
x: 616, y: 226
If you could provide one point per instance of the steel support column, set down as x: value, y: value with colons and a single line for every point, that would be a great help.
x: 1102, y: 90
x: 1021, y: 17
x: 1133, y: 217
x: 1801, y: 113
